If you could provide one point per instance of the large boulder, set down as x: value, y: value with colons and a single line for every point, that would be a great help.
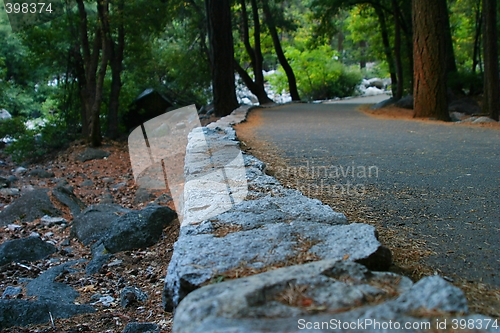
x: 137, y: 229
x: 301, y: 298
x: 64, y: 194
x: 95, y: 221
x: 405, y: 102
x: 383, y: 104
x: 25, y: 249
x: 92, y: 154
x: 17, y: 312
x: 32, y: 205
x: 465, y: 105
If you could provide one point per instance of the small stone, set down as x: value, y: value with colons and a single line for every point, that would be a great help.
x: 13, y: 227
x: 116, y: 262
x: 11, y: 292
x: 9, y: 191
x: 131, y: 295
x: 49, y: 221
x: 141, y: 328
x: 20, y: 170
x: 34, y: 234
x: 48, y: 234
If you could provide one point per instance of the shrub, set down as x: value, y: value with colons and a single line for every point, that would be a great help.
x: 319, y: 74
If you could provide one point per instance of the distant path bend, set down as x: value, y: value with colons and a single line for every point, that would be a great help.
x: 441, y: 181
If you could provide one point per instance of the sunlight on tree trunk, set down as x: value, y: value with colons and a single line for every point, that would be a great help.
x: 429, y: 61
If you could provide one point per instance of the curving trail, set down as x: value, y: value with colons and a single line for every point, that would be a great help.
x: 437, y: 184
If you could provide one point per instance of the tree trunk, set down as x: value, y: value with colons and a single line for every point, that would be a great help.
x: 292, y: 81
x: 451, y: 65
x: 221, y: 56
x: 255, y: 54
x: 387, y: 48
x: 116, y: 64
x: 477, y: 37
x: 491, y: 98
x: 429, y: 55
x: 397, y: 51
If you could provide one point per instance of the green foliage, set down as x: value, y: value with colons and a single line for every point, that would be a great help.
x: 319, y: 74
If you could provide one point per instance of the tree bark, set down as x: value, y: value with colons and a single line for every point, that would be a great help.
x: 397, y: 51
x: 429, y: 55
x: 491, y: 98
x: 387, y: 48
x: 292, y: 81
x: 116, y: 51
x: 256, y: 86
x: 221, y: 56
x: 451, y: 65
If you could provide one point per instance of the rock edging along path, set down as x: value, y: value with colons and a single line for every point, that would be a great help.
x: 286, y: 257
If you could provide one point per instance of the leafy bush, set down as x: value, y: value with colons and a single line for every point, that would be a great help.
x: 319, y: 74
x: 33, y: 143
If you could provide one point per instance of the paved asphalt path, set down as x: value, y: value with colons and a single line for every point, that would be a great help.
x: 442, y: 181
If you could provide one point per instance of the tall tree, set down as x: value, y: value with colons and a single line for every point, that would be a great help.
x: 256, y: 86
x: 429, y: 55
x: 221, y: 56
x: 271, y: 24
x: 491, y: 103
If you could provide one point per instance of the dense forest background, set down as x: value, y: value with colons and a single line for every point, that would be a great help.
x: 77, y: 75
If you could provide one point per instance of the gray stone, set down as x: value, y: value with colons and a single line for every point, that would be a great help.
x: 50, y: 221
x: 20, y: 170
x: 30, y: 206
x: 325, y: 291
x: 484, y: 120
x: 87, y: 183
x: 132, y: 295
x: 4, y: 114
x: 27, y: 249
x: 11, y: 292
x: 457, y: 116
x: 138, y: 229
x: 4, y: 182
x: 23, y: 312
x: 14, y: 227
x: 100, y: 257
x: 383, y: 104
x: 46, y: 289
x: 201, y: 256
x: 41, y: 173
x: 10, y: 191
x: 405, y: 102
x: 92, y: 154
x: 108, y: 180
x: 65, y: 195
x: 141, y: 328
x: 143, y: 195
x: 465, y: 105
x: 94, y: 221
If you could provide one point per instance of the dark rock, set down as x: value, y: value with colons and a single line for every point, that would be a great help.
x: 12, y: 179
x: 465, y: 105
x: 28, y: 249
x: 46, y: 289
x: 457, y: 116
x: 30, y: 206
x: 86, y: 183
x: 143, y: 195
x: 94, y: 221
x: 65, y: 195
x: 141, y: 328
x: 11, y: 292
x: 106, y: 198
x: 4, y: 182
x: 41, y: 173
x: 405, y: 102
x: 100, y: 257
x: 163, y: 199
x: 92, y: 154
x: 132, y: 295
x: 383, y: 104
x: 138, y: 229
x: 23, y: 312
